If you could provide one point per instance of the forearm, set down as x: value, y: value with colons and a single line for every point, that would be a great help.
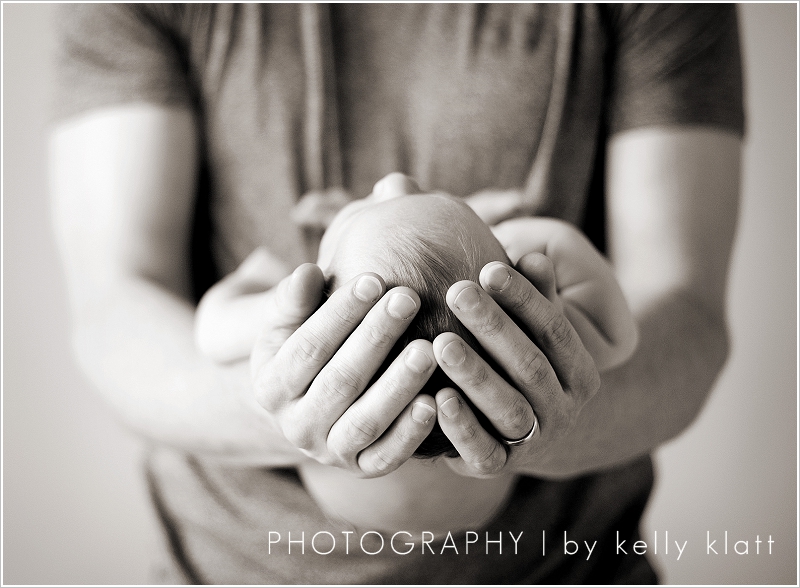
x: 123, y: 191
x: 136, y: 345
x: 672, y: 203
x: 654, y: 396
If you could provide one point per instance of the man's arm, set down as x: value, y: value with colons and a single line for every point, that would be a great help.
x: 672, y: 207
x: 673, y: 202
x: 123, y: 183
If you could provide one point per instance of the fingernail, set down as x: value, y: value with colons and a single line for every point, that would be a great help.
x: 401, y: 306
x: 451, y: 407
x: 296, y: 286
x: 468, y: 299
x: 422, y: 413
x: 454, y: 353
x: 418, y: 360
x: 498, y: 277
x: 368, y: 289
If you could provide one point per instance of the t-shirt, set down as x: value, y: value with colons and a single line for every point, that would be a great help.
x: 292, y: 98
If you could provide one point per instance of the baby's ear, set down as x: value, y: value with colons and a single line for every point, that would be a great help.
x: 393, y: 185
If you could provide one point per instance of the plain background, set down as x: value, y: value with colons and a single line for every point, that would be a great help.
x: 73, y: 497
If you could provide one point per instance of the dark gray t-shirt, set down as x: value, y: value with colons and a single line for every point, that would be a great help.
x: 464, y: 97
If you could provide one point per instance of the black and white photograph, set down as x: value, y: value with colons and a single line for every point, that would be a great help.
x: 399, y: 293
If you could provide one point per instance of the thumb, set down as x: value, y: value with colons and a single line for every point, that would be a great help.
x: 296, y: 298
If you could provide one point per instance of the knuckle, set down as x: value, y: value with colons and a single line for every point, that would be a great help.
x: 378, y: 337
x: 360, y: 431
x: 525, y: 300
x: 478, y: 378
x: 396, y: 390
x: 493, y: 324
x: 300, y: 435
x: 490, y: 463
x: 558, y: 331
x: 407, y: 437
x: 380, y: 464
x: 518, y: 417
x: 534, y: 370
x: 346, y: 313
x: 469, y: 433
x: 338, y: 384
x: 309, y: 349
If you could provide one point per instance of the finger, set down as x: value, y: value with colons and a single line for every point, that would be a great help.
x: 550, y: 328
x: 539, y: 270
x: 509, y: 411
x: 295, y: 298
x: 400, y: 441
x: 373, y: 413
x: 482, y: 454
x: 506, y: 343
x: 287, y: 374
x: 393, y: 185
x: 348, y: 372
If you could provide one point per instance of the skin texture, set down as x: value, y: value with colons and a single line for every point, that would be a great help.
x: 127, y: 173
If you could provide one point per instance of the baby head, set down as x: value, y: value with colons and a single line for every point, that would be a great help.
x: 426, y: 242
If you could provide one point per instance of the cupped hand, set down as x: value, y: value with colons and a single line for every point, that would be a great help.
x: 549, y: 375
x: 312, y: 369
x: 588, y: 290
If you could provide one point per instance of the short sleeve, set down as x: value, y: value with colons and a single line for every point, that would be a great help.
x: 116, y: 53
x: 675, y: 64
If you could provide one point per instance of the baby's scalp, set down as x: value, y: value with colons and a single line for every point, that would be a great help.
x: 427, y: 243
x: 372, y: 237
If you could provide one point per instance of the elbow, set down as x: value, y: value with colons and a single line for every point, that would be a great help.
x: 90, y: 353
x: 716, y: 343
x: 710, y: 353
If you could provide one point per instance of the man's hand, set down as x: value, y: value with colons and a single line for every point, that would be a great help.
x: 313, y: 372
x: 587, y: 287
x: 550, y: 373
x: 672, y: 207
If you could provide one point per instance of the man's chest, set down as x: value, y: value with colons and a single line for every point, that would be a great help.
x: 455, y: 95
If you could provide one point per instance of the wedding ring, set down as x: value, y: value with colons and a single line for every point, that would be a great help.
x: 525, y: 439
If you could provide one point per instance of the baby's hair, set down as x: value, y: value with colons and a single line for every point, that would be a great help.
x: 429, y: 267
